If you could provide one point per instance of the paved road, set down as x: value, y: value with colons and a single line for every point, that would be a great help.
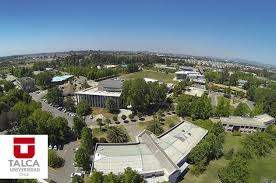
x: 62, y: 175
x: 54, y: 111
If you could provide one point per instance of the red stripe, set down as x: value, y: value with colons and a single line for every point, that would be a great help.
x: 24, y: 140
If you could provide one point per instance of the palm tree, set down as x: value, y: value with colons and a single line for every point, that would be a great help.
x: 116, y: 135
x: 155, y: 128
x: 107, y: 121
x: 100, y: 122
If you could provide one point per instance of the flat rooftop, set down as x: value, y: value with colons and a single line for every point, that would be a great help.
x: 61, y: 78
x: 96, y: 91
x: 259, y: 121
x: 150, y: 153
x: 194, y: 91
x: 179, y: 142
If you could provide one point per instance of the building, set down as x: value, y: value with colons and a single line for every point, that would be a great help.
x: 187, y: 68
x: 192, y: 75
x: 107, y: 89
x: 247, y: 124
x: 241, y: 83
x: 195, y: 91
x: 150, y: 80
x: 111, y: 85
x: 26, y: 83
x: 61, y: 79
x: 158, y: 159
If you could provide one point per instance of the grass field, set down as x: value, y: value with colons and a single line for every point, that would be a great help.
x: 265, y: 167
x: 169, y: 121
x: 160, y: 76
x: 261, y: 168
x: 211, y: 174
x: 103, y: 111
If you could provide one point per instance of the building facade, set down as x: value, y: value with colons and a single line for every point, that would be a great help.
x: 246, y: 124
x: 107, y: 90
x: 26, y: 83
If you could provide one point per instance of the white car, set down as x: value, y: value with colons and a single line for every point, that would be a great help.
x: 50, y: 147
x: 55, y: 147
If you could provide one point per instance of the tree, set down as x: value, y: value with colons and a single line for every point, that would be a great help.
x: 115, y: 118
x: 107, y: 121
x: 236, y: 171
x: 140, y: 115
x: 44, y: 79
x: 223, y: 107
x: 131, y: 176
x: 124, y: 117
x: 86, y: 139
x: 82, y: 158
x: 54, y: 160
x: 83, y: 108
x: 78, y: 125
x: 155, y: 128
x: 8, y: 85
x: 242, y: 110
x: 201, y: 108
x: 110, y: 105
x: 77, y: 179
x: 100, y: 122
x: 54, y: 96
x: 258, y: 109
x: 131, y: 116
x: 183, y: 107
x: 96, y: 177
x: 69, y: 104
x: 199, y: 167
x: 111, y: 178
x: 116, y: 135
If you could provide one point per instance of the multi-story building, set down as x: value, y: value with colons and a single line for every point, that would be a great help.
x: 26, y: 83
x: 158, y: 159
x: 192, y: 75
x: 107, y: 89
x: 246, y: 124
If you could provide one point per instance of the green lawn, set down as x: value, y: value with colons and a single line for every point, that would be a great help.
x: 103, y: 111
x: 265, y: 167
x: 160, y: 76
x: 97, y: 132
x: 168, y: 123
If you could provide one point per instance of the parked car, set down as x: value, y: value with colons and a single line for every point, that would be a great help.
x: 50, y: 147
x: 60, y: 147
x: 55, y: 147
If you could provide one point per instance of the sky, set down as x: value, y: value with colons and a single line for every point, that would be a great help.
x: 223, y: 28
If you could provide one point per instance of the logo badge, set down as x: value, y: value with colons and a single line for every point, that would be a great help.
x: 24, y: 156
x: 17, y: 141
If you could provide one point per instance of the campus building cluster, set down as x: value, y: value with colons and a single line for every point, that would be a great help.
x: 247, y: 124
x: 106, y: 89
x: 158, y: 159
x: 191, y: 74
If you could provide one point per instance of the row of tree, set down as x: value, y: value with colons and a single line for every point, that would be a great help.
x: 255, y: 145
x: 128, y: 176
x: 142, y: 96
x: 209, y: 148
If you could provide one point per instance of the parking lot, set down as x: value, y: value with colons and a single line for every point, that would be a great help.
x: 38, y: 96
x: 62, y: 175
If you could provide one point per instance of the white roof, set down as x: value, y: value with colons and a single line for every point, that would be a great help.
x: 186, y: 72
x: 257, y: 121
x: 194, y: 91
x: 95, y: 91
x: 179, y: 142
x: 150, y: 80
x: 150, y: 154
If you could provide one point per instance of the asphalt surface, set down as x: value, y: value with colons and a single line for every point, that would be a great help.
x: 63, y: 174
